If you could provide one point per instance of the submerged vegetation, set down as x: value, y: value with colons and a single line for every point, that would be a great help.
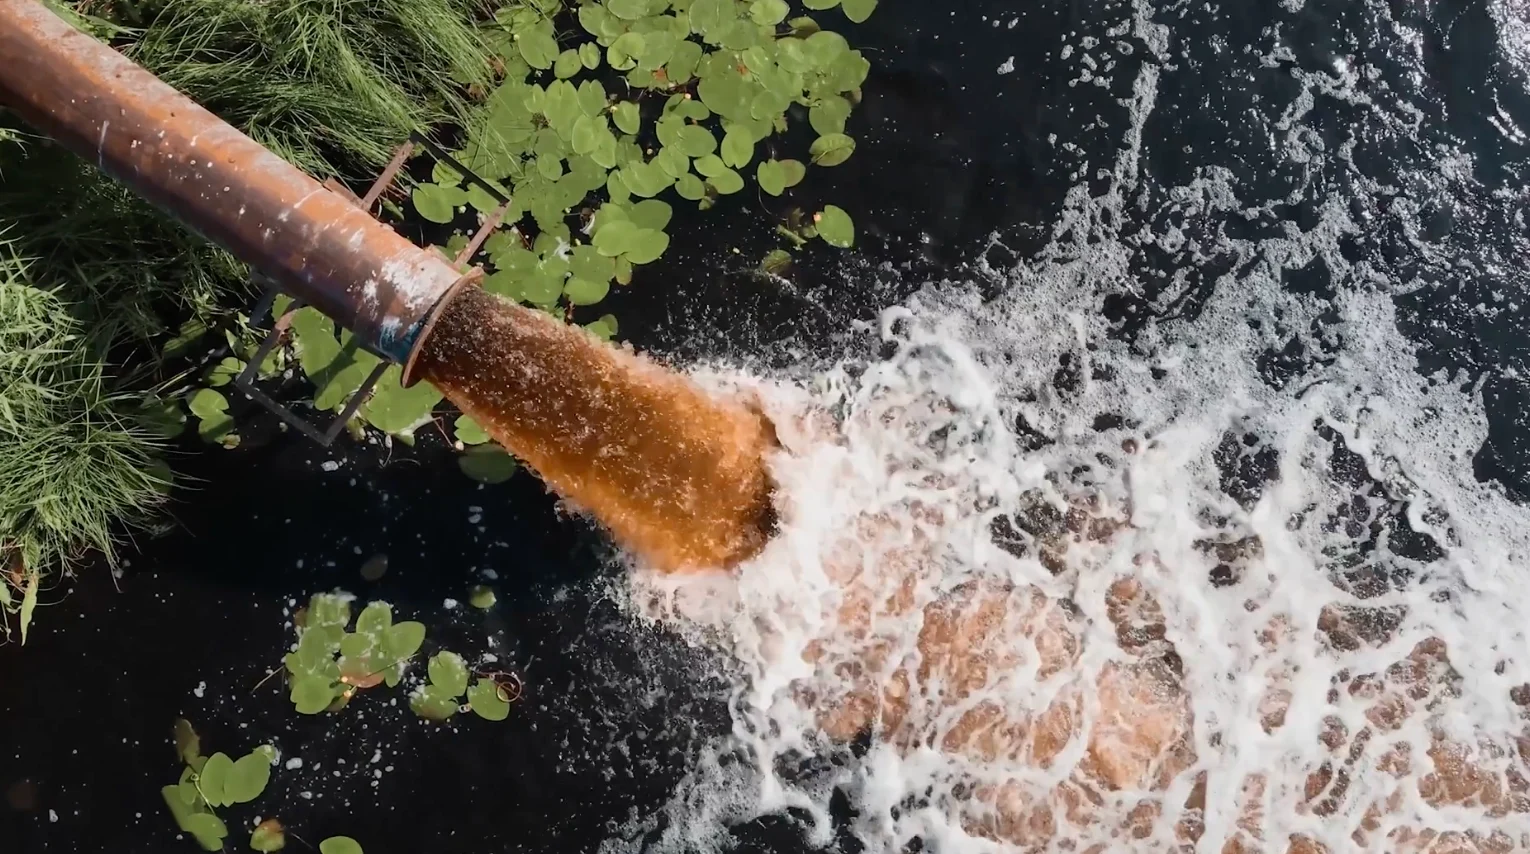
x: 597, y: 119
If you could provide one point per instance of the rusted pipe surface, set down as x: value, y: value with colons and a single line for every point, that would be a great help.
x: 315, y: 244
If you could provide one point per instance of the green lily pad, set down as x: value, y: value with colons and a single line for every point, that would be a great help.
x: 433, y: 704
x: 828, y: 115
x: 538, y: 47
x: 651, y: 213
x: 214, y: 777
x: 268, y: 836
x: 486, y: 702
x: 487, y: 464
x: 605, y: 328
x: 247, y: 779
x: 212, y: 408
x: 481, y: 597
x: 737, y: 148
x: 340, y: 845
x: 615, y: 237
x: 589, y: 55
x: 627, y: 117
x: 402, y: 640
x: 375, y: 617
x: 567, y: 64
x: 647, y: 244
x: 438, y: 203
x: 770, y: 177
x: 469, y: 432
x: 776, y: 261
x: 396, y: 410
x: 768, y: 12
x: 628, y: 10
x: 832, y: 149
x: 623, y: 53
x: 311, y: 694
x: 586, y: 291
x: 835, y: 227
x: 208, y: 830
x: 690, y: 187
x: 858, y: 10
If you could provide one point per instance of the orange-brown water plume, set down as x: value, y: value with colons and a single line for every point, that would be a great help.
x: 677, y: 475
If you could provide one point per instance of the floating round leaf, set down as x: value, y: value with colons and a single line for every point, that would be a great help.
x: 741, y: 35
x: 651, y: 213
x: 340, y: 845
x: 604, y: 328
x: 628, y: 10
x: 709, y: 15
x: 776, y: 261
x: 593, y: 17
x: 247, y: 779
x: 487, y: 464
x: 480, y: 199
x: 726, y: 182
x: 468, y: 431
x: 711, y: 165
x: 615, y: 238
x: 792, y: 56
x: 793, y: 171
x: 682, y: 62
x: 832, y: 149
x: 829, y: 114
x: 696, y: 141
x: 449, y: 673
x: 623, y: 53
x: 647, y: 245
x: 396, y: 410
x: 768, y: 104
x: 538, y: 47
x: 311, y: 694
x: 586, y: 291
x: 403, y: 639
x: 562, y: 109
x: 589, y: 54
x: 375, y: 617
x: 835, y: 227
x: 858, y: 10
x: 375, y: 567
x: 481, y: 597
x: 586, y: 135
x: 672, y: 161
x: 592, y: 97
x: 268, y: 836
x: 437, y: 203
x: 433, y: 704
x: 627, y: 117
x: 567, y: 64
x: 443, y: 174
x: 208, y: 829
x: 486, y: 702
x: 604, y: 154
x: 768, y: 12
x: 214, y: 777
x: 623, y: 271
x: 188, y: 745
x: 690, y: 187
x: 737, y: 147
x: 770, y: 177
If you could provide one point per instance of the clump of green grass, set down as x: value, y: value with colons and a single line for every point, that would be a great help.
x: 327, y: 84
x: 74, y: 461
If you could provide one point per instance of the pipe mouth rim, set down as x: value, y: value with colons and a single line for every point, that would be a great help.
x: 469, y: 279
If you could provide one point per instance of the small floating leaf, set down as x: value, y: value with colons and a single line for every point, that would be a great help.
x: 247, y: 779
x: 468, y: 432
x: 375, y: 567
x: 340, y: 845
x: 481, y: 597
x: 589, y: 55
x: 737, y: 147
x: 567, y: 64
x: 696, y: 141
x: 832, y: 149
x: 403, y: 639
x: 433, y: 704
x: 614, y: 238
x: 586, y: 291
x: 188, y: 745
x: 212, y: 408
x: 858, y: 10
x: 727, y: 182
x: 625, y: 51
x: 628, y: 10
x: 793, y: 171
x: 770, y: 177
x: 768, y: 12
x: 375, y: 618
x: 828, y: 115
x: 626, y: 116
x: 648, y: 244
x: 604, y: 328
x: 690, y: 187
x: 214, y: 777
x: 208, y: 829
x: 487, y: 464
x: 311, y: 693
x: 438, y: 203
x: 268, y: 836
x: 486, y: 702
x: 835, y: 227
x: 449, y: 673
x: 651, y: 213
x: 776, y: 261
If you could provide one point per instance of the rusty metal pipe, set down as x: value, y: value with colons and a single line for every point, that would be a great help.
x: 313, y: 243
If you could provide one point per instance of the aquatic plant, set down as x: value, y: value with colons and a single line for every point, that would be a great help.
x: 210, y: 782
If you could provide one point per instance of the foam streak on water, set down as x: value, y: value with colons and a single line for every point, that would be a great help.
x: 1250, y: 615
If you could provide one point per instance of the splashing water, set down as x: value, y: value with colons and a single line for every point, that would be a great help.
x: 1222, y: 582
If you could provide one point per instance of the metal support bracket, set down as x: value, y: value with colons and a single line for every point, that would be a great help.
x: 246, y: 380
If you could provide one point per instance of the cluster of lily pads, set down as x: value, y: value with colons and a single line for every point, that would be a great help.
x: 209, y: 782
x: 330, y: 665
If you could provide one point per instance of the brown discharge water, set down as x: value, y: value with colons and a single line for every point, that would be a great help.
x: 677, y: 475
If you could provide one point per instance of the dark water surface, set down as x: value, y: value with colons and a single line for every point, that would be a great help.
x: 951, y: 151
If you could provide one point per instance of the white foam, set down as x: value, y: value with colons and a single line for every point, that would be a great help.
x: 921, y: 446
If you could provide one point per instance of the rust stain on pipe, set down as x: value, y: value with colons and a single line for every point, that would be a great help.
x: 315, y: 244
